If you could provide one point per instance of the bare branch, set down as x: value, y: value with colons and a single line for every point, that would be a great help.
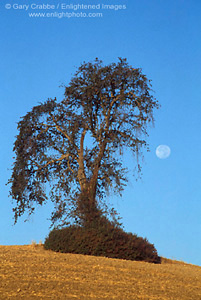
x: 65, y: 156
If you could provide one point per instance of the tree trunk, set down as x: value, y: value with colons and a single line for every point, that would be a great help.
x: 87, y: 206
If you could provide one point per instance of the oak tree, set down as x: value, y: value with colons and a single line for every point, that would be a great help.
x: 74, y: 148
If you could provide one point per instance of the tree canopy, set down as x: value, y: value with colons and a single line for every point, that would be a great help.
x: 76, y: 145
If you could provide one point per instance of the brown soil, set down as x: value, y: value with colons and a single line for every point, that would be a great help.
x: 28, y: 272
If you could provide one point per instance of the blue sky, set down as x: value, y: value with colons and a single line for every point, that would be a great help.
x: 161, y: 37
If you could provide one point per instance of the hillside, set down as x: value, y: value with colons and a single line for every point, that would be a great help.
x: 28, y: 272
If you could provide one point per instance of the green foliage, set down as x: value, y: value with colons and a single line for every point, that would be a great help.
x: 105, y: 240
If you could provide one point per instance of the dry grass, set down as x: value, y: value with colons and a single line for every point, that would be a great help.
x: 29, y: 272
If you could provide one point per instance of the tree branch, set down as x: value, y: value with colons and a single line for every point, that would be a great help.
x: 62, y: 131
x: 81, y: 172
x: 52, y: 161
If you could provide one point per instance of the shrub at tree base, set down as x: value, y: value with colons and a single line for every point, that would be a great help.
x: 108, y: 241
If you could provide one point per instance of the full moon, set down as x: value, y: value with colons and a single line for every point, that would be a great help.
x: 163, y: 151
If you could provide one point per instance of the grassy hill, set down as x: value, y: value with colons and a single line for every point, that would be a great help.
x: 30, y: 272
